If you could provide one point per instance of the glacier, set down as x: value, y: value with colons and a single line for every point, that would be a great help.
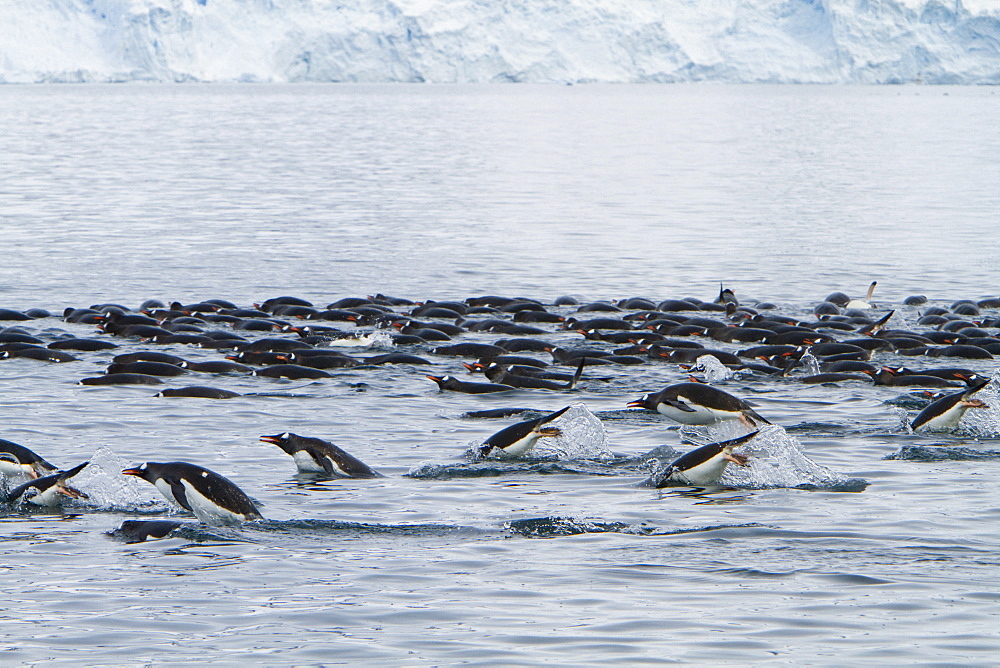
x: 474, y: 41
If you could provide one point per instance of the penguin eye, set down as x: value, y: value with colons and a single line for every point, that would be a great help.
x: 446, y: 378
x: 285, y: 436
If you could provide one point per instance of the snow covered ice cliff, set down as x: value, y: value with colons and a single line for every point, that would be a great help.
x: 821, y: 41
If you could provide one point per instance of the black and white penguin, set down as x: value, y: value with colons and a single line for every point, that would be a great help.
x: 314, y: 455
x: 17, y: 460
x: 456, y: 385
x: 517, y: 439
x: 48, y: 490
x: 699, y: 404
x: 704, y: 465
x: 212, y: 498
x: 945, y: 413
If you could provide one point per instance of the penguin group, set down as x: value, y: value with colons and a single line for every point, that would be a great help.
x: 534, y: 348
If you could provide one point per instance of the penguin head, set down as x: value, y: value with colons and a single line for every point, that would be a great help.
x: 141, y: 471
x: 641, y: 402
x: 283, y: 441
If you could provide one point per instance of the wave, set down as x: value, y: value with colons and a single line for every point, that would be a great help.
x: 940, y: 453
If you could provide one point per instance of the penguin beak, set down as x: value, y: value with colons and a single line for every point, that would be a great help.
x: 132, y: 471
x: 274, y: 440
x: 638, y: 403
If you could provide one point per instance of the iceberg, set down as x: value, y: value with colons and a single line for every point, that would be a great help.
x: 478, y: 41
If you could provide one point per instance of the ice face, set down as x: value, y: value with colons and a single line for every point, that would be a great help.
x: 570, y: 41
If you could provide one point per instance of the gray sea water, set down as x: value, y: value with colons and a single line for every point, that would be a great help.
x: 849, y: 540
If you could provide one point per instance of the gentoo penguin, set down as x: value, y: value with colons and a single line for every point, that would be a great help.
x: 136, y: 531
x: 314, y: 455
x: 945, y: 413
x: 866, y: 302
x: 200, y: 391
x: 704, y: 465
x: 698, y: 404
x: 519, y: 438
x: 46, y: 491
x: 17, y: 460
x: 726, y: 296
x: 456, y: 385
x: 212, y: 498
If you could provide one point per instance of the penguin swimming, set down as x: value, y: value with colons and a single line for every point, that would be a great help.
x: 314, y: 455
x: 136, y: 531
x: 699, y: 404
x: 945, y: 413
x: 864, y: 304
x: 517, y: 439
x: 704, y: 465
x: 212, y: 498
x: 48, y: 490
x: 456, y: 385
x: 17, y: 460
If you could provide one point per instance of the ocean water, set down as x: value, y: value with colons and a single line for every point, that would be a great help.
x: 847, y: 540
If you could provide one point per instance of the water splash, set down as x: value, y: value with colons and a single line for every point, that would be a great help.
x: 375, y: 339
x: 583, y: 437
x: 983, y: 422
x: 107, y: 488
x: 811, y: 363
x: 776, y: 460
x: 555, y: 527
x: 712, y: 368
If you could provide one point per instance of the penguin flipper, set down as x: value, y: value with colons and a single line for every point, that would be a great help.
x: 177, y: 489
x: 323, y: 460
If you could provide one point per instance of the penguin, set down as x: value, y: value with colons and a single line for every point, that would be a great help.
x: 17, y: 460
x: 212, y: 498
x: 864, y: 304
x: 216, y: 366
x: 122, y: 379
x: 146, y: 368
x: 395, y: 358
x: 945, y: 413
x: 889, y: 376
x: 200, y: 391
x: 704, y: 465
x: 698, y: 404
x: 314, y: 455
x: 456, y: 385
x: 136, y: 531
x: 517, y: 439
x: 47, y: 491
x: 726, y: 296
x: 534, y: 382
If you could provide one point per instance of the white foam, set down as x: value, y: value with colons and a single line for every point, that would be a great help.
x: 583, y: 437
